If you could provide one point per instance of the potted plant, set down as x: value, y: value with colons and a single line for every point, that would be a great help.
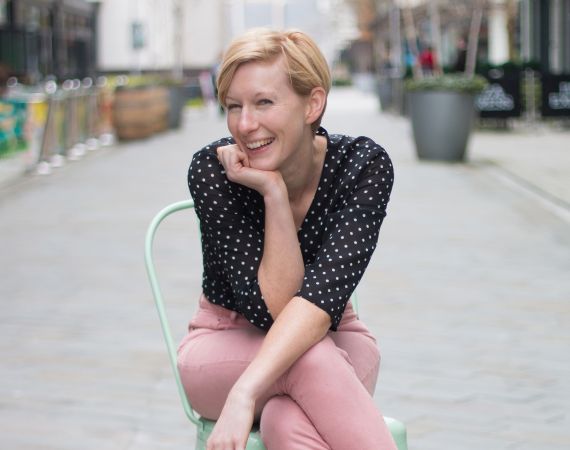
x: 442, y: 106
x: 442, y: 110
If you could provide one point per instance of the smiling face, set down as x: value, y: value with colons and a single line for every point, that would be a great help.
x: 267, y: 119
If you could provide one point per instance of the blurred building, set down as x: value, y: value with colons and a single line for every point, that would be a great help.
x: 535, y: 32
x: 190, y: 35
x: 332, y: 23
x: 158, y: 35
x: 79, y: 38
x: 545, y: 34
x: 41, y: 38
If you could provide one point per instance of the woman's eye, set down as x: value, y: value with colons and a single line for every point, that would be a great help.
x: 265, y: 101
x: 232, y: 106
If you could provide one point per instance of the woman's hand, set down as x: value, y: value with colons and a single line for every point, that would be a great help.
x: 238, y: 170
x: 232, y: 428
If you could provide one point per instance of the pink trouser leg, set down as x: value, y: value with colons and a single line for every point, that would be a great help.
x: 326, y: 387
x: 285, y: 426
x: 322, y: 402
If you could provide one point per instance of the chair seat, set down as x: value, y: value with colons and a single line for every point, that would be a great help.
x: 254, y: 442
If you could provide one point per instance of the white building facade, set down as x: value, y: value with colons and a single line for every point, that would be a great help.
x: 159, y: 35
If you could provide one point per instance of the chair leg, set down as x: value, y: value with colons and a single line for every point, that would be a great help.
x: 398, y: 431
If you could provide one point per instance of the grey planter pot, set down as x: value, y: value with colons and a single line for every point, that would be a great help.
x: 441, y: 123
x: 384, y: 91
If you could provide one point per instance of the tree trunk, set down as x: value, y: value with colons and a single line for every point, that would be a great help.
x: 473, y: 42
x: 435, y: 35
x: 412, y: 40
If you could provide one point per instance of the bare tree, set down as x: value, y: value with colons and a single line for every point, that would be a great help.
x: 473, y: 42
x: 412, y: 39
x: 435, y: 26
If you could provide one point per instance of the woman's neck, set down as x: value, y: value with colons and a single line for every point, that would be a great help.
x: 302, y: 177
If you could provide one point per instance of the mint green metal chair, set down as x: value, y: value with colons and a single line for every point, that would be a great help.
x: 205, y: 426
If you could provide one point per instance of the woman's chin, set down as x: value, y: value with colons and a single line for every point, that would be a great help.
x: 262, y: 165
x: 262, y: 162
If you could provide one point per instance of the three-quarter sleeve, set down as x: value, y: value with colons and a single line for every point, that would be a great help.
x: 351, y: 230
x: 231, y: 222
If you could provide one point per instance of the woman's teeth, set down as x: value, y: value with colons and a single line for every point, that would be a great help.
x: 257, y: 144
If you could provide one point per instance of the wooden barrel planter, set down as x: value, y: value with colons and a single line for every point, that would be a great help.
x: 139, y: 112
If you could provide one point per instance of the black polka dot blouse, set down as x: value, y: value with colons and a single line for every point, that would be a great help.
x: 337, y: 237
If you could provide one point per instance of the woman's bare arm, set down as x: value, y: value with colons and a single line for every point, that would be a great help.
x: 281, y: 268
x: 298, y: 327
x: 298, y: 324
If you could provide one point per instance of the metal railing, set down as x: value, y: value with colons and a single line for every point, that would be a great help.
x: 63, y: 122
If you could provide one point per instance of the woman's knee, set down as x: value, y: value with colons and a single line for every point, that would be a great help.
x: 210, y: 362
x: 207, y: 386
x: 272, y: 425
x: 363, y: 352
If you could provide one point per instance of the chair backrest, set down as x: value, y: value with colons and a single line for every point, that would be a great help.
x: 149, y: 262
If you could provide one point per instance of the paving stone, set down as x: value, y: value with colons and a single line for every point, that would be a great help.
x: 468, y: 293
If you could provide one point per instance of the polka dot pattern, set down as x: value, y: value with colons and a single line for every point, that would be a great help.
x: 337, y: 237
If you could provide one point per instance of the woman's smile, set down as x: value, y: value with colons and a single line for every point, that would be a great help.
x: 259, y: 146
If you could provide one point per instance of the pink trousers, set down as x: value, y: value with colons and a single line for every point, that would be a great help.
x: 323, y: 401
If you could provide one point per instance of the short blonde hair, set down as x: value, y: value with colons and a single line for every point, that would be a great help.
x: 306, y: 66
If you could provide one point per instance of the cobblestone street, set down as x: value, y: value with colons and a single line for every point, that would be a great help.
x: 468, y: 292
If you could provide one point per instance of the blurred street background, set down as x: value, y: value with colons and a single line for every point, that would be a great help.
x: 103, y: 103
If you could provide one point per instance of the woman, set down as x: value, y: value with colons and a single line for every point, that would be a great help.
x: 289, y: 218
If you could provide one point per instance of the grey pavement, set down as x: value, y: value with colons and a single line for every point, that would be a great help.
x: 468, y: 292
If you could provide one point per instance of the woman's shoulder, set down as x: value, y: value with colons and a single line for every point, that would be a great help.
x: 207, y: 157
x: 205, y: 166
x: 207, y: 178
x: 348, y: 148
x: 209, y: 151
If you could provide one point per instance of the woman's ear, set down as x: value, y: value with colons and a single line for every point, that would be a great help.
x: 315, y: 104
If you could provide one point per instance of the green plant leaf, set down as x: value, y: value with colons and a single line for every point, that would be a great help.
x: 448, y: 82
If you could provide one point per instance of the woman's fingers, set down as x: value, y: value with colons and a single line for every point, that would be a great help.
x: 224, y: 443
x: 232, y: 157
x: 232, y: 427
x: 238, y: 170
x: 225, y: 446
x: 234, y: 161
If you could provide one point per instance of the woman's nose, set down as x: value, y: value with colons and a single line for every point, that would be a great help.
x: 247, y: 121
